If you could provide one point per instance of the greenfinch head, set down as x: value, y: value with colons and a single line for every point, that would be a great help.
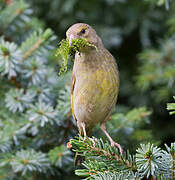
x: 83, y: 31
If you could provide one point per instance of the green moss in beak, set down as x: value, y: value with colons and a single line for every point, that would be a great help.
x: 65, y: 50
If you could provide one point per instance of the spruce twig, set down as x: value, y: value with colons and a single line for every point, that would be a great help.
x: 35, y: 43
x: 99, y: 149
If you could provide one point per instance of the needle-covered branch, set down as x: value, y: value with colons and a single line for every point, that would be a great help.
x: 103, y: 160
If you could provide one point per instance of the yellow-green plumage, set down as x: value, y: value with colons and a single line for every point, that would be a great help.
x: 95, y: 80
x: 96, y: 87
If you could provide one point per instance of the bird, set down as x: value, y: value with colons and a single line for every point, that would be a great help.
x: 95, y: 82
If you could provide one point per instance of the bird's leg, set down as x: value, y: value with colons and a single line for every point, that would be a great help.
x: 84, y: 130
x: 113, y: 143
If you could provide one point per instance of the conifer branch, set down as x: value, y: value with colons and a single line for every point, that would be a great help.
x: 11, y: 12
x: 30, y: 51
x: 35, y: 41
x: 149, y: 161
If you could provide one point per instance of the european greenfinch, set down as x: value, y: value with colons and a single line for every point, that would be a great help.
x: 95, y: 82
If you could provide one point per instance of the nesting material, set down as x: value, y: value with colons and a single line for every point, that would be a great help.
x: 65, y: 50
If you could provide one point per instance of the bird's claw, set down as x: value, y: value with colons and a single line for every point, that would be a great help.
x: 93, y: 141
x: 118, y: 146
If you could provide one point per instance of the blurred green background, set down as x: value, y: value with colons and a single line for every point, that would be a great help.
x: 139, y: 34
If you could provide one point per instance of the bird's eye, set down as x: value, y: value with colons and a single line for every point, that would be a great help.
x: 83, y: 31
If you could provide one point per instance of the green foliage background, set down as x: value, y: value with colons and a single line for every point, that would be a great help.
x: 35, y: 115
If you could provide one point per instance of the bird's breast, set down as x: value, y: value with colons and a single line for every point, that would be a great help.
x: 96, y: 87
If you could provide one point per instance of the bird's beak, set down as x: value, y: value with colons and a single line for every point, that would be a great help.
x: 72, y: 37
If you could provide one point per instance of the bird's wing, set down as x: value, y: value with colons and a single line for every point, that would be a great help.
x: 72, y: 90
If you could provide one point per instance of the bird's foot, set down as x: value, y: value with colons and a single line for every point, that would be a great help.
x: 93, y: 141
x: 84, y: 139
x: 113, y: 143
